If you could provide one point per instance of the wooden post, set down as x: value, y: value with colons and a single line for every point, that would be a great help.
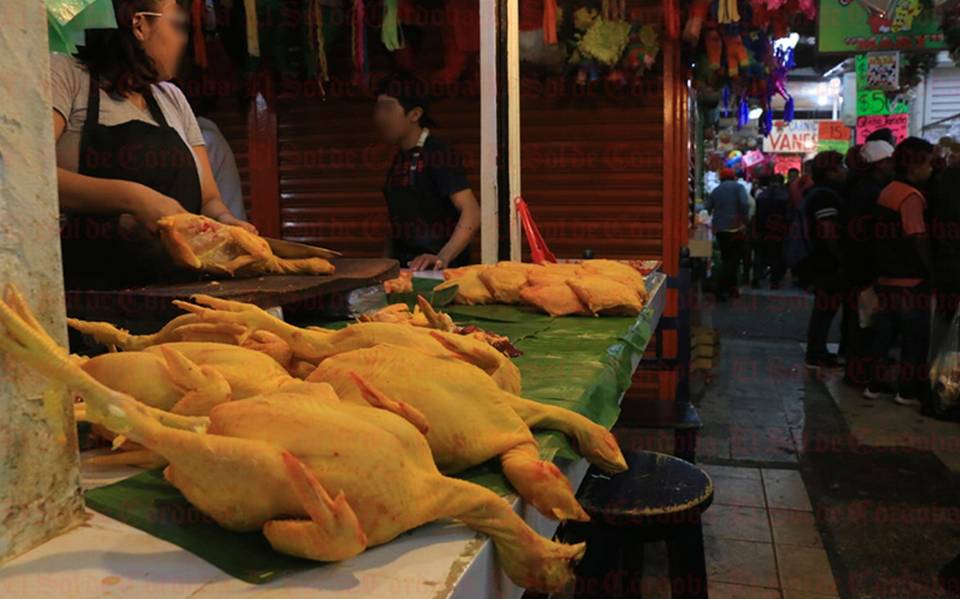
x: 39, y: 473
x: 489, y: 199
x: 513, y: 123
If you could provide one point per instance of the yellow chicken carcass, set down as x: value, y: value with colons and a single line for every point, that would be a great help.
x: 556, y: 299
x: 618, y: 271
x: 315, y: 345
x: 204, y: 244
x: 603, y: 295
x: 471, y: 290
x: 504, y: 283
x: 188, y: 327
x: 423, y: 315
x: 473, y: 420
x: 322, y: 479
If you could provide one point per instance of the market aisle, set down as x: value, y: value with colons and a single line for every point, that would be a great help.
x: 819, y: 494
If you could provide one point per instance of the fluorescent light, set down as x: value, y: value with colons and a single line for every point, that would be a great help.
x: 756, y: 113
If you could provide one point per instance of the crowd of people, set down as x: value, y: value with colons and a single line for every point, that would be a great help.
x: 875, y: 236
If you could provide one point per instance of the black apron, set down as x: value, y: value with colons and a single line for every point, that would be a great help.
x: 97, y: 253
x: 421, y: 220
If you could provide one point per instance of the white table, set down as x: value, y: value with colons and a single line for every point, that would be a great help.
x: 105, y: 558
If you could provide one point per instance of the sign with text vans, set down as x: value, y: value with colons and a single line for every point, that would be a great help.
x: 806, y: 136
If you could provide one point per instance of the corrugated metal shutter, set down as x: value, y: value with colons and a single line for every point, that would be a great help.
x: 942, y: 94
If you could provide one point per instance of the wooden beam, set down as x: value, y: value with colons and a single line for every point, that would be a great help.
x: 674, y: 172
x: 264, y: 160
x: 513, y: 123
x: 489, y: 200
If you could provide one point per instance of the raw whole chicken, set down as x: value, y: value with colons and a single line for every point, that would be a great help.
x: 189, y: 327
x: 473, y: 420
x: 596, y: 287
x: 322, y: 479
x: 450, y: 388
x: 204, y: 244
x: 314, y: 345
x: 424, y: 315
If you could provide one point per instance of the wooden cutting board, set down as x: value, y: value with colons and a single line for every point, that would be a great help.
x: 154, y: 302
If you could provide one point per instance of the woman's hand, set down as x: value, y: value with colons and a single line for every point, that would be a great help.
x: 426, y: 262
x: 149, y: 206
x: 229, y: 219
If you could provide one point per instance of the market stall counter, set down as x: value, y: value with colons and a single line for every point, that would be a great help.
x: 580, y: 363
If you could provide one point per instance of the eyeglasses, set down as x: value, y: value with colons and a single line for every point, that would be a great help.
x: 179, y: 22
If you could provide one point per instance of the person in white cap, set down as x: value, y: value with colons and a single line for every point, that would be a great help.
x: 872, y: 170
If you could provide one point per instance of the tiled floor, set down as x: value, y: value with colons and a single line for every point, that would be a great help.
x: 760, y: 536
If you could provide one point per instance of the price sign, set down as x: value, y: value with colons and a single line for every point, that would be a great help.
x: 874, y: 101
x: 898, y: 123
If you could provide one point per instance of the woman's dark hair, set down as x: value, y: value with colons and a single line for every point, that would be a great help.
x: 825, y: 163
x: 116, y: 56
x: 909, y: 153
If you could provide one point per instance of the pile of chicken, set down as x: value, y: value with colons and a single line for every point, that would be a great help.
x: 591, y: 287
x: 214, y: 396
x: 204, y: 244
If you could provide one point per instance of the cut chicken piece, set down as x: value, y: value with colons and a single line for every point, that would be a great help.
x: 204, y: 244
x: 287, y: 464
x: 401, y: 284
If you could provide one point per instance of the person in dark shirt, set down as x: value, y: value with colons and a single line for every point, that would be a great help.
x: 433, y: 212
x: 874, y: 163
x: 903, y: 264
x: 877, y: 172
x: 729, y: 207
x: 823, y: 267
x: 770, y: 226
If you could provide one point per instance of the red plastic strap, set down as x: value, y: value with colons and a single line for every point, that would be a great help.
x: 539, y: 252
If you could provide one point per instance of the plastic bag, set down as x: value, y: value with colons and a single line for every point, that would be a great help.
x: 945, y: 372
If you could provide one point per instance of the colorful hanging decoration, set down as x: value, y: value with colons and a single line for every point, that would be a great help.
x: 197, y: 12
x: 316, y: 40
x: 391, y: 34
x: 739, y: 60
x: 617, y: 50
x: 359, y: 41
x: 605, y: 41
x: 550, y: 22
x: 613, y: 10
x: 728, y: 12
x: 699, y: 10
x: 253, y: 35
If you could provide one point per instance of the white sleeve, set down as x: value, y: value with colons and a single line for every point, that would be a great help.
x: 225, y: 172
x: 65, y: 83
x: 191, y: 129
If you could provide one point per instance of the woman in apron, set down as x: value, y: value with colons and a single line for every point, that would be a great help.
x: 129, y: 150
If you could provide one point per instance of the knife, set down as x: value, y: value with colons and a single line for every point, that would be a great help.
x: 291, y: 249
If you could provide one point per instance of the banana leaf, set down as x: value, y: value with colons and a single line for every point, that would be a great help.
x: 582, y: 364
x: 148, y: 502
x: 424, y: 287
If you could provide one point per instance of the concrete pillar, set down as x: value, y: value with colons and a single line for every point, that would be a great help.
x: 39, y: 474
